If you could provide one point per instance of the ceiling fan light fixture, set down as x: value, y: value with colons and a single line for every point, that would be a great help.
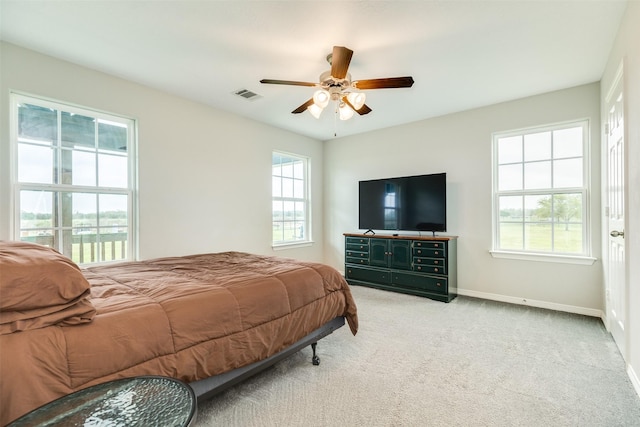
x: 321, y: 98
x: 336, y: 85
x: 345, y: 112
x: 315, y: 110
x: 357, y: 99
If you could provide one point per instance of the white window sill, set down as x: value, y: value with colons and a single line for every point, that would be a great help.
x: 525, y: 256
x: 292, y: 245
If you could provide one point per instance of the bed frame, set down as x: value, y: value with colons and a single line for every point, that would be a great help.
x: 207, y: 388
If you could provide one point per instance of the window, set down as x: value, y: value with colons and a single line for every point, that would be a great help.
x: 290, y: 199
x: 540, y: 190
x: 391, y: 206
x: 74, y: 179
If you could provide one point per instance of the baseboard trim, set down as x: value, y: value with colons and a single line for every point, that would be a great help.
x: 593, y: 312
x: 533, y: 303
x: 634, y: 379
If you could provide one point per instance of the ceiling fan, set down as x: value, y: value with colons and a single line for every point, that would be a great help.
x: 336, y: 85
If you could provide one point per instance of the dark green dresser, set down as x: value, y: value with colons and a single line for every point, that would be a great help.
x: 424, y: 266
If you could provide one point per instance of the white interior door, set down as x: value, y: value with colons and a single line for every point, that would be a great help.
x: 616, y: 278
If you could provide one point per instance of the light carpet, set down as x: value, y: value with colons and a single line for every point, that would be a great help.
x: 418, y: 362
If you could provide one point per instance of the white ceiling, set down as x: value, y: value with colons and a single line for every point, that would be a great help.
x: 461, y: 54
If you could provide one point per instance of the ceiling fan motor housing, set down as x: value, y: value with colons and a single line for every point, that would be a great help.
x: 334, y: 86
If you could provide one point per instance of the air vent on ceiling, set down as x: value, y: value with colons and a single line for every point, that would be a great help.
x: 247, y: 94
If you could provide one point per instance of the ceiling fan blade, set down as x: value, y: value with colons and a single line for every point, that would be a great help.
x: 340, y: 60
x: 362, y: 111
x: 287, y: 82
x: 303, y: 107
x: 387, y: 83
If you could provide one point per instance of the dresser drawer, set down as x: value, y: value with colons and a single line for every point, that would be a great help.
x: 364, y: 247
x: 357, y: 241
x: 425, y: 244
x: 429, y: 252
x: 361, y: 261
x: 432, y: 284
x: 368, y: 275
x: 429, y: 269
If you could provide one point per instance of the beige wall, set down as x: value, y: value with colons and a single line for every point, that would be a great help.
x: 627, y: 49
x: 204, y: 175
x: 460, y: 145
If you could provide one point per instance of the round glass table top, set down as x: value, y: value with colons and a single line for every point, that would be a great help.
x: 139, y: 401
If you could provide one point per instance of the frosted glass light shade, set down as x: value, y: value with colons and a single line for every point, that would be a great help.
x: 356, y: 99
x: 315, y: 110
x: 345, y: 111
x: 321, y: 98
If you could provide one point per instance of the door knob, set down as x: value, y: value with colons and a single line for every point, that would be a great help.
x: 616, y: 233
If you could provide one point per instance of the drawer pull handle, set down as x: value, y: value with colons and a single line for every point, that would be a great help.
x: 419, y: 267
x: 435, y: 269
x: 438, y: 284
x: 435, y: 262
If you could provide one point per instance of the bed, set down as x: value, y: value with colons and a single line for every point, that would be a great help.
x: 210, y: 320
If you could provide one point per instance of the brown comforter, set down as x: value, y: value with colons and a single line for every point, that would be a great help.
x: 185, y: 317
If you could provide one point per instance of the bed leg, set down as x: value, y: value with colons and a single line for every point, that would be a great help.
x: 315, y: 359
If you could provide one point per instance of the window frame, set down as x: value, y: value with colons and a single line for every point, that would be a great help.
x: 585, y: 256
x: 306, y: 200
x: 16, y: 186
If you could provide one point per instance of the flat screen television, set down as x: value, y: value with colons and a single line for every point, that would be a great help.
x: 410, y: 203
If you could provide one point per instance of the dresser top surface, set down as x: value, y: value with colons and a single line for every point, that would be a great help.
x: 401, y: 236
